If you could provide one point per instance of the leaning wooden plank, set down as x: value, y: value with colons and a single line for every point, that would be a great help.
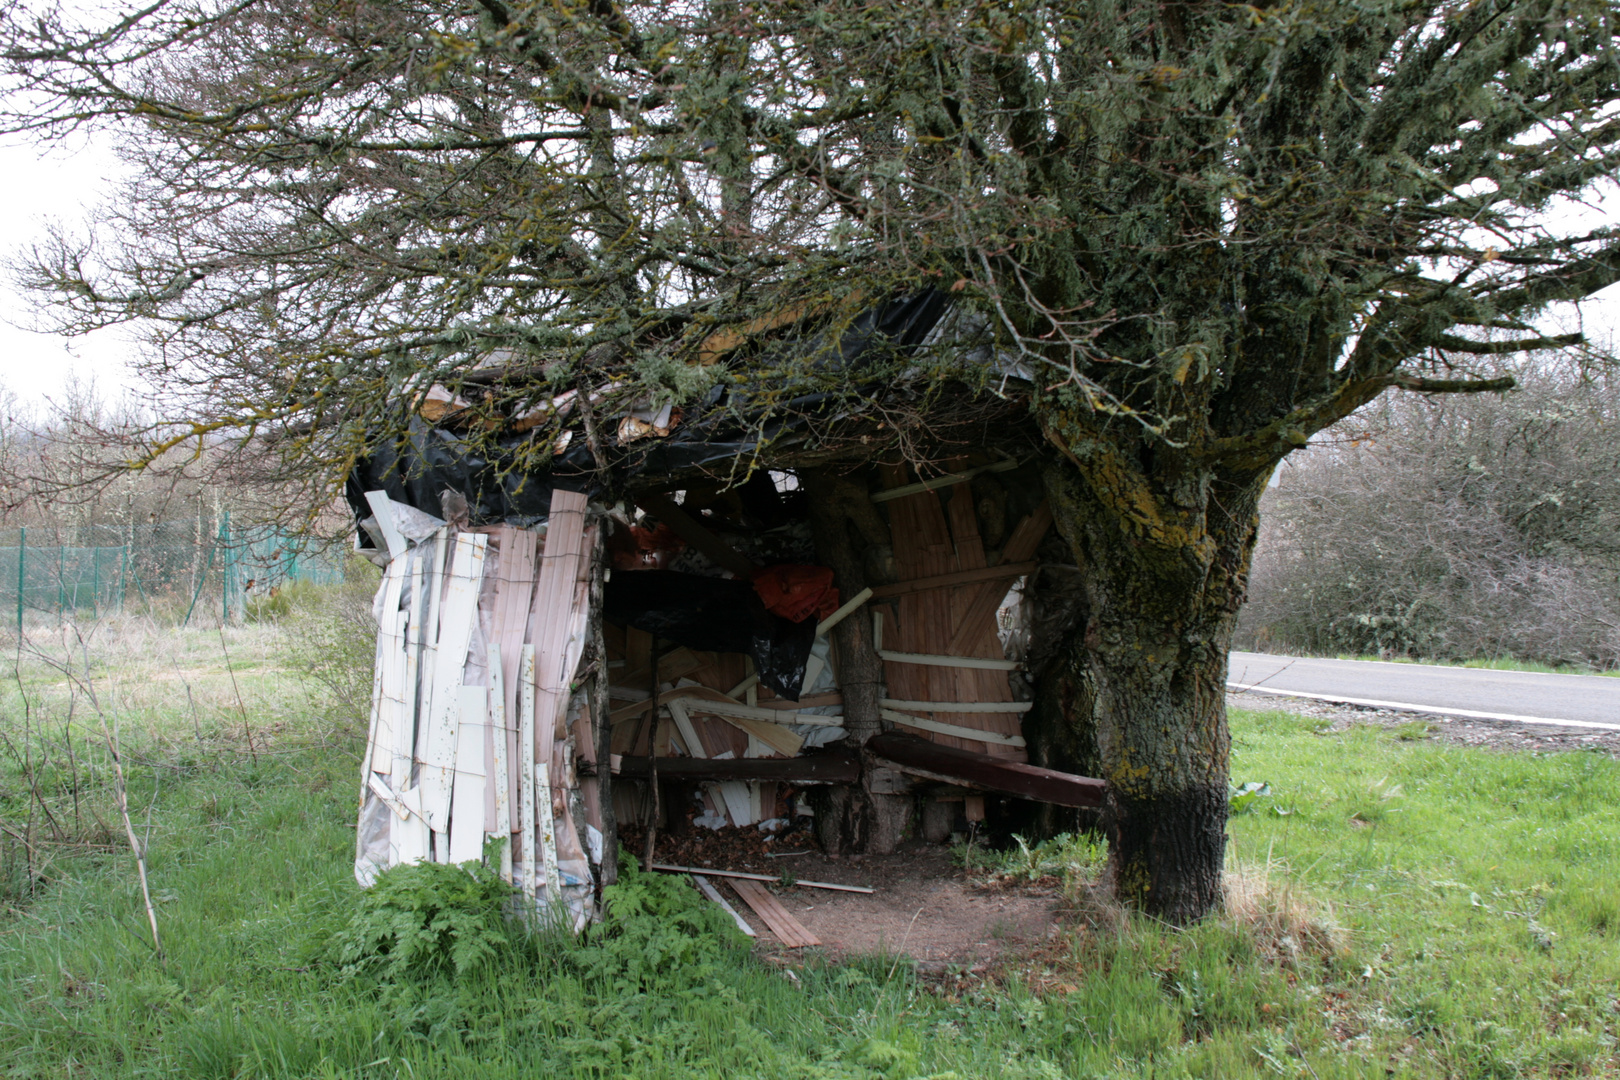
x: 848, y: 608
x: 956, y: 731
x: 1003, y: 572
x: 688, y: 528
x: 714, y: 894
x: 385, y: 676
x: 498, y: 764
x: 787, y: 929
x: 725, y: 708
x: 959, y: 706
x: 528, y: 878
x: 735, y: 794
x: 382, y: 507
x: 467, y: 804
x: 740, y: 875
x: 942, y: 481
x: 702, y: 699
x: 909, y: 753
x: 1025, y: 540
x: 977, y: 663
x: 546, y: 833
x: 683, y: 724
x: 405, y: 730
x: 459, y: 609
x: 824, y: 767
x: 775, y: 736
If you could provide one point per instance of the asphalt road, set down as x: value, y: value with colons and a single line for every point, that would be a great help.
x: 1584, y: 701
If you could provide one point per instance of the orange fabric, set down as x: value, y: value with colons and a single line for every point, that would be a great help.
x: 797, y: 592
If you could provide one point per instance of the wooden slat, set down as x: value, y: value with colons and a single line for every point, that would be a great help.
x: 824, y: 767
x: 501, y: 778
x: 911, y: 754
x: 977, y: 663
x: 943, y: 481
x: 1024, y: 542
x: 1001, y: 572
x: 955, y: 731
x: 725, y: 905
x: 959, y: 706
x: 458, y: 611
x: 467, y: 803
x: 528, y: 878
x: 382, y: 508
x: 742, y: 876
x: 787, y: 929
x: 845, y: 610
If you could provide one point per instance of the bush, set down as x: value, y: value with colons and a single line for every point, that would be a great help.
x: 1451, y: 528
x: 331, y: 636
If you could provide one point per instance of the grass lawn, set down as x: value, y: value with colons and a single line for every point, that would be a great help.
x: 1400, y: 909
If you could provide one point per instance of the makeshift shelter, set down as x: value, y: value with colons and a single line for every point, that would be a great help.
x: 645, y: 630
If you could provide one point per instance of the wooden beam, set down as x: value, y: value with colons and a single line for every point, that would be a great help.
x: 977, y: 663
x: 955, y: 731
x: 845, y: 610
x: 688, y: 528
x: 960, y: 706
x: 921, y: 757
x: 825, y: 767
x: 943, y: 481
x: 1022, y: 544
x: 1003, y: 572
x: 711, y: 872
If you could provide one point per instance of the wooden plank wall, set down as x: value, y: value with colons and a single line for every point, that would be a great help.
x: 937, y: 532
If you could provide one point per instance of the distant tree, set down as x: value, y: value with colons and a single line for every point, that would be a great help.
x: 1206, y: 230
x: 1451, y: 529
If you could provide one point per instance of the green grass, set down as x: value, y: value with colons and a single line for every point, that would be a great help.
x: 1400, y: 908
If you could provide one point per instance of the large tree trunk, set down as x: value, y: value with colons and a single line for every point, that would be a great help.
x: 1162, y: 598
x: 853, y: 818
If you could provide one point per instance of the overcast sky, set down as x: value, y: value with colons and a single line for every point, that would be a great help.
x: 66, y: 186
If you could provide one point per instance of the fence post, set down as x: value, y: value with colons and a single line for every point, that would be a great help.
x: 22, y: 551
x: 123, y: 578
x: 225, y: 569
x: 61, y: 578
x: 201, y: 580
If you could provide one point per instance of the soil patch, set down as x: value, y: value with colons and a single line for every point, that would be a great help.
x: 923, y: 905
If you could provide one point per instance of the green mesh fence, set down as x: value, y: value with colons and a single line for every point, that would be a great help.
x: 173, y: 569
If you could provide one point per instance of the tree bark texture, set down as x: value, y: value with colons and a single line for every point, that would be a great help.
x: 1146, y: 669
x: 853, y: 819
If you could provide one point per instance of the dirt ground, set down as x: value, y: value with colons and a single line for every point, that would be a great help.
x: 923, y: 905
x: 1455, y: 730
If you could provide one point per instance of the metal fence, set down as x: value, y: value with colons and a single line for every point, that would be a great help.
x: 176, y: 569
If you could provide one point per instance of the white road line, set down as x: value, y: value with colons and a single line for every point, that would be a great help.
x: 1436, y: 710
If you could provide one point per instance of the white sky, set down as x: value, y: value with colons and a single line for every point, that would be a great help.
x: 34, y: 190
x: 65, y: 186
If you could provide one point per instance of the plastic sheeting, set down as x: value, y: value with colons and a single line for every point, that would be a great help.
x: 713, y: 615
x: 719, y: 428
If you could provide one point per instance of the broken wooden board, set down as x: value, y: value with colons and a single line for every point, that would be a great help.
x: 725, y: 905
x: 825, y: 767
x: 457, y: 613
x: 921, y: 757
x: 788, y: 930
x: 467, y: 802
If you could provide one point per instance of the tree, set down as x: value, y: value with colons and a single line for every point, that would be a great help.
x: 1204, y: 230
x: 1451, y: 529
